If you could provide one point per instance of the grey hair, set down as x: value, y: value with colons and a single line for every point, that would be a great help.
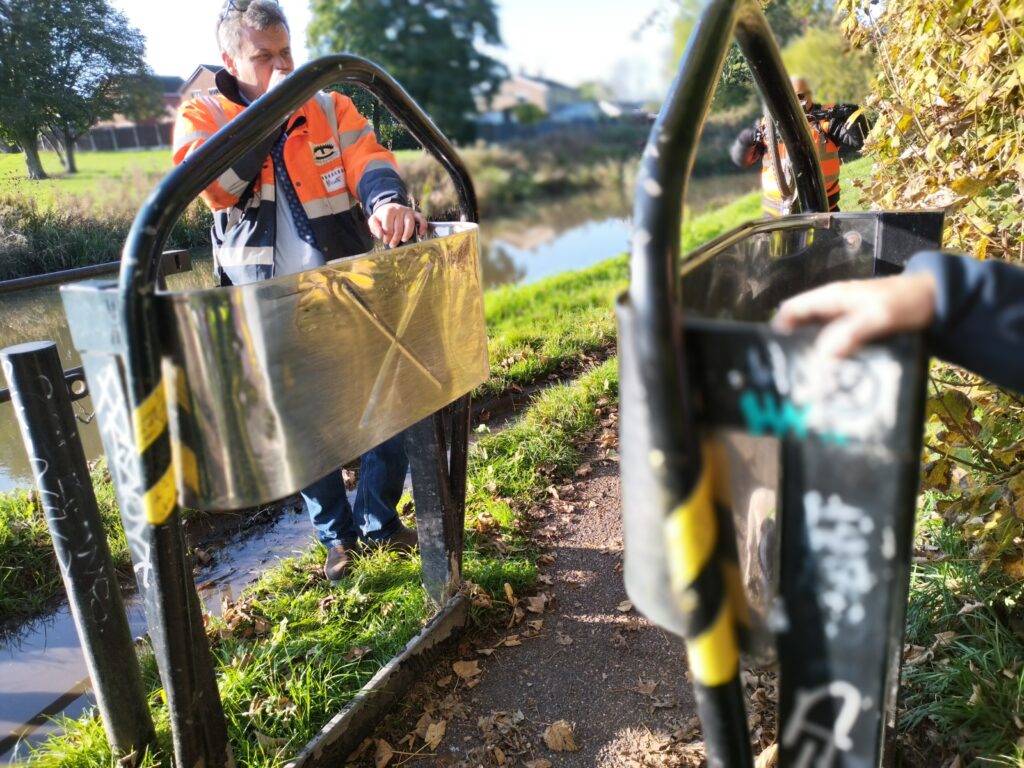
x: 256, y: 14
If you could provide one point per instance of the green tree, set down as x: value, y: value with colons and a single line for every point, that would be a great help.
x: 64, y: 65
x: 787, y: 19
x: 837, y: 72
x: 429, y: 46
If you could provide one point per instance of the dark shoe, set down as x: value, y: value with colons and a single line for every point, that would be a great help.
x: 402, y: 540
x: 339, y: 561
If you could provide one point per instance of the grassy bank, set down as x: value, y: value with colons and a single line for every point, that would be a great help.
x: 294, y: 649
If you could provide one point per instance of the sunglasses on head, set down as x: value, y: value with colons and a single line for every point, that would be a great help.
x: 240, y: 6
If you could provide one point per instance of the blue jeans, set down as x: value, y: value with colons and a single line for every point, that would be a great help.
x: 381, y: 479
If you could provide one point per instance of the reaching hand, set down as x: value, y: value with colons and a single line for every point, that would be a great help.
x: 394, y: 223
x: 861, y: 310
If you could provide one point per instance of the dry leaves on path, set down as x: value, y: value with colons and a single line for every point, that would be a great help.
x: 559, y: 737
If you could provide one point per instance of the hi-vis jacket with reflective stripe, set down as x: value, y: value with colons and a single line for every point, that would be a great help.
x: 828, y: 156
x: 332, y: 158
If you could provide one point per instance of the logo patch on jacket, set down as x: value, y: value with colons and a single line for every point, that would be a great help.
x: 334, y: 179
x: 324, y: 153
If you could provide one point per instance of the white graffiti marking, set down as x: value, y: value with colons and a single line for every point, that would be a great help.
x: 838, y: 535
x: 116, y: 431
x: 818, y: 744
x: 854, y: 398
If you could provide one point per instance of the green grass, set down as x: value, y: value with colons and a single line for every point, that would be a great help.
x: 29, y: 577
x: 103, y: 178
x: 322, y: 643
x: 963, y: 691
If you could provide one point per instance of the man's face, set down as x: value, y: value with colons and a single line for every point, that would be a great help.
x: 803, y: 93
x: 264, y: 57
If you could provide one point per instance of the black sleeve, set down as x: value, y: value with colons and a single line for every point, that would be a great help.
x: 979, y: 315
x: 844, y: 135
x: 379, y: 186
x: 748, y: 148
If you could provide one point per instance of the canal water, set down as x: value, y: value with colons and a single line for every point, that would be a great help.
x: 42, y: 671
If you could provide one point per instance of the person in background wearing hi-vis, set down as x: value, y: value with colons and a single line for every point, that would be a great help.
x: 830, y: 131
x: 316, y: 190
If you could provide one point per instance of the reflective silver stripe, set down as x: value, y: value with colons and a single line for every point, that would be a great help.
x: 339, y: 203
x: 267, y: 192
x: 216, y: 110
x: 374, y: 165
x: 245, y: 255
x: 316, y: 209
x: 326, y: 102
x: 348, y: 138
x: 231, y: 183
x: 187, y: 138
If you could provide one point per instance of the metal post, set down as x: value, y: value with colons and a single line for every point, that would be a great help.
x: 43, y: 407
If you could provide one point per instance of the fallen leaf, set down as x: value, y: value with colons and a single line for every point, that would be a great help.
x: 499, y: 756
x: 536, y: 603
x: 466, y: 669
x: 356, y: 653
x: 202, y: 556
x: 269, y: 743
x: 559, y: 737
x: 625, y: 606
x: 435, y: 733
x: 970, y: 608
x: 509, y: 594
x: 769, y: 758
x: 540, y: 762
x: 584, y: 469
x: 562, y: 639
x: 444, y: 682
x: 511, y: 641
x: 383, y: 754
x: 646, y: 688
x: 422, y: 724
x: 535, y: 624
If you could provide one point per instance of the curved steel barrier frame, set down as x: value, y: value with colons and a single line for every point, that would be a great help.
x: 137, y: 435
x: 672, y: 378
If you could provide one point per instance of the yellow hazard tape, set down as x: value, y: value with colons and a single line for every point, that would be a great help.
x: 715, y: 655
x: 150, y: 419
x: 186, y: 465
x: 691, y: 532
x: 160, y: 500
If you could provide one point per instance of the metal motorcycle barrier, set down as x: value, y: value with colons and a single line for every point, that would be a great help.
x: 233, y: 396
x: 768, y: 495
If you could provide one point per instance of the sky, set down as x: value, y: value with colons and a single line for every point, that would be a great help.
x: 624, y: 44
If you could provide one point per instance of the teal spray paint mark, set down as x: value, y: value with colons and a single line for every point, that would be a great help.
x: 764, y: 415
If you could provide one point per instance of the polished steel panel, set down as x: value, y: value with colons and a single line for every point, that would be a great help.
x: 272, y: 385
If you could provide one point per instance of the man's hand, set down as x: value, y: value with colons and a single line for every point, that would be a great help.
x: 858, y: 311
x: 394, y: 223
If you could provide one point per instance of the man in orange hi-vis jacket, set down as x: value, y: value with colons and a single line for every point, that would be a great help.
x: 830, y: 131
x: 291, y: 204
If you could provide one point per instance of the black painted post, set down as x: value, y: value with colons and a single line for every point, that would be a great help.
x: 437, y: 520
x: 43, y: 407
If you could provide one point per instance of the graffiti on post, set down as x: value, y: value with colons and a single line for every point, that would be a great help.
x: 798, y: 394
x: 841, y: 536
x: 815, y: 744
x: 123, y: 460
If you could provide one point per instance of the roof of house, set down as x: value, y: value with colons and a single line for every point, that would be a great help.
x: 169, y: 83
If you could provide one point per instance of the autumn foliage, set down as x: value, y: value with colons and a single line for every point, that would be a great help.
x: 949, y: 133
x: 949, y: 98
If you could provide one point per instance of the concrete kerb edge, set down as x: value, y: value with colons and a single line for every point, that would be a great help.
x: 347, y: 729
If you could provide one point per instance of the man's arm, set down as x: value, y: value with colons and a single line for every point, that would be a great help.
x: 372, y: 173
x: 748, y: 148
x: 972, y: 312
x: 844, y: 132
x: 197, y: 121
